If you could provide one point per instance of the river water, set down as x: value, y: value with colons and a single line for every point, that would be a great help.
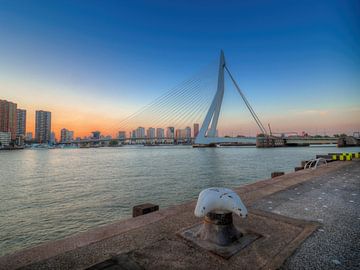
x: 50, y: 194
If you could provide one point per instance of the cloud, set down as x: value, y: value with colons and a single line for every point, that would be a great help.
x: 313, y: 112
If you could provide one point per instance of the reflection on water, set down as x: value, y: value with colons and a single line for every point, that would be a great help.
x: 49, y: 194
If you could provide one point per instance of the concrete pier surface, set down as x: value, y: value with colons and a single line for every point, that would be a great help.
x: 309, y: 219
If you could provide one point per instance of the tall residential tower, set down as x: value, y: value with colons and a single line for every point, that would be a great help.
x: 21, y: 122
x: 8, y: 117
x: 42, y: 126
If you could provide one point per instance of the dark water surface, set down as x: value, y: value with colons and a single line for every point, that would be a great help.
x: 49, y: 194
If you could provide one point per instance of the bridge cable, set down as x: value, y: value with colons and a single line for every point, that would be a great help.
x: 256, y: 118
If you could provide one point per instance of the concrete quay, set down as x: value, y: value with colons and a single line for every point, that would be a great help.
x: 309, y: 219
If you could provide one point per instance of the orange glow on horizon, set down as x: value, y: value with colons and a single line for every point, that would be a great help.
x: 83, y: 123
x: 85, y: 117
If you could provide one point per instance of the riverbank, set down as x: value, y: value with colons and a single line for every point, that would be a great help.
x: 151, y: 241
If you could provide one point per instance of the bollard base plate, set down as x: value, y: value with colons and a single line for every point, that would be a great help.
x: 192, y: 234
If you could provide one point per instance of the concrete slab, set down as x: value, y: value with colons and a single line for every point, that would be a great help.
x: 333, y: 199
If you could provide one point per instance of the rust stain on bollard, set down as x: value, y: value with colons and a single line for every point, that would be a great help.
x: 276, y: 174
x: 143, y: 209
x: 303, y: 163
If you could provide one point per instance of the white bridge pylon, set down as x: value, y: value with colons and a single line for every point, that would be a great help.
x: 207, y: 133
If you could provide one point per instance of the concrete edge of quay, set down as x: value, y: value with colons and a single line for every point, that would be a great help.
x: 249, y: 193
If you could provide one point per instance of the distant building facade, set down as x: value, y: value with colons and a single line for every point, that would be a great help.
x: 5, y: 138
x: 188, y: 133
x: 160, y: 134
x: 20, y: 122
x: 8, y: 117
x: 43, y: 126
x: 150, y: 134
x: 179, y: 134
x: 96, y: 135
x: 52, y: 138
x: 183, y: 134
x: 170, y: 132
x: 66, y: 135
x: 196, y: 129
x: 140, y: 133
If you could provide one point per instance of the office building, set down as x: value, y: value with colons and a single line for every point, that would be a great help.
x: 160, y: 134
x: 196, y: 129
x: 8, y: 117
x: 188, y: 133
x: 140, y: 133
x: 52, y: 138
x: 20, y: 122
x: 183, y: 134
x: 150, y: 133
x: 42, y: 126
x: 66, y: 135
x: 179, y: 134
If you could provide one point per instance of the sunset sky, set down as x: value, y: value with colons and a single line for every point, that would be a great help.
x: 92, y: 63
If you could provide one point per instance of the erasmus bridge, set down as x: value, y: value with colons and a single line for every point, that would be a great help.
x: 193, y: 102
x: 198, y: 100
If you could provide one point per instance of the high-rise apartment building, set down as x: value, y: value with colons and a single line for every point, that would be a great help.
x: 170, y: 132
x: 196, y: 129
x: 188, y: 133
x: 20, y: 122
x: 43, y: 126
x: 150, y: 133
x: 179, y: 134
x: 66, y: 135
x: 52, y: 138
x: 183, y: 134
x: 140, y: 133
x: 160, y: 134
x: 8, y: 117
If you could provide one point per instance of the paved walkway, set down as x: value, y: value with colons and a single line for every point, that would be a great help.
x: 333, y: 199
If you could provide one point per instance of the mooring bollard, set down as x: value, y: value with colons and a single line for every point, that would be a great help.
x: 218, y: 232
x: 217, y: 206
x: 143, y: 209
x: 298, y: 168
x: 276, y: 174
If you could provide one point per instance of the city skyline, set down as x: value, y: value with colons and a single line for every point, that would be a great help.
x: 84, y: 64
x: 59, y: 134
